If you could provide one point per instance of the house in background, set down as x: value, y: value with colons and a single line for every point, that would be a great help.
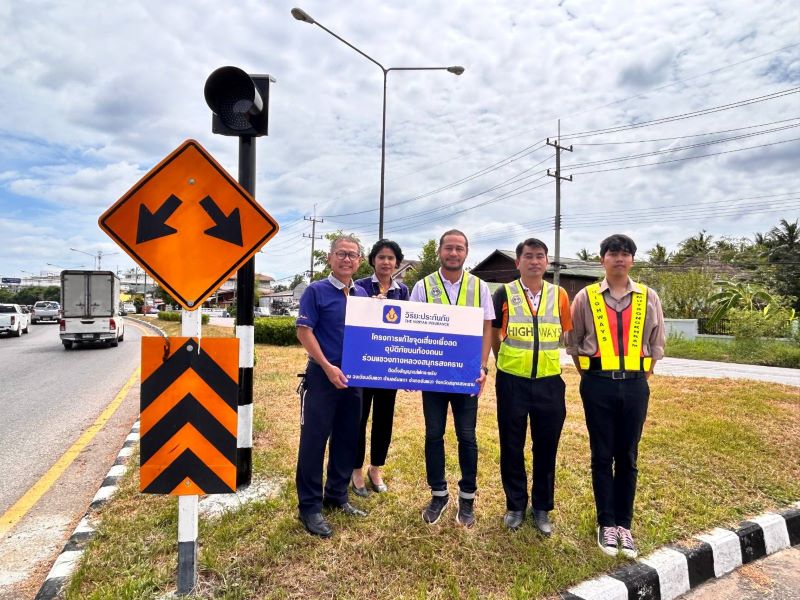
x: 499, y: 267
x: 405, y: 267
x: 226, y: 295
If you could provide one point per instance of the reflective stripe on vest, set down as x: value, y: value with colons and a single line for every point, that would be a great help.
x: 612, y: 332
x: 468, y: 291
x: 531, y: 339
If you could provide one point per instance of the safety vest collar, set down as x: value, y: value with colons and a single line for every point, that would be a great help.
x: 468, y: 290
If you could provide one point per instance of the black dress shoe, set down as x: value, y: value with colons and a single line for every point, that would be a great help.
x: 379, y: 488
x: 346, y: 508
x: 316, y: 524
x: 542, y: 522
x: 363, y: 492
x: 513, y: 519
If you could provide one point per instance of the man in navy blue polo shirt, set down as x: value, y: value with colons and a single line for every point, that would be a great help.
x: 329, y: 409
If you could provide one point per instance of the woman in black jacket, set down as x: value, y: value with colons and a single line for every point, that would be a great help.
x: 385, y: 258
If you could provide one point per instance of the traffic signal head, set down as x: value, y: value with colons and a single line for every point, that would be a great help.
x: 239, y: 102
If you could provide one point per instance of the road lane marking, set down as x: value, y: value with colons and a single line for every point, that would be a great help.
x: 21, y: 507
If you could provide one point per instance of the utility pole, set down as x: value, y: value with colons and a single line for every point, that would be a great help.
x: 314, y: 220
x: 557, y: 145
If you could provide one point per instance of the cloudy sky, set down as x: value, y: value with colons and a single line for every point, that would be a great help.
x: 95, y: 94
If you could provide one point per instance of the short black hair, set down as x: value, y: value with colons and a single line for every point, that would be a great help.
x: 618, y: 243
x: 454, y: 232
x: 380, y: 245
x: 533, y: 243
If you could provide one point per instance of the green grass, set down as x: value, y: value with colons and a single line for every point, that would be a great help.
x: 773, y: 353
x: 713, y: 453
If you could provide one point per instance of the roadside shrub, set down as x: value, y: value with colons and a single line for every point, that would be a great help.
x: 171, y: 315
x: 276, y: 331
x: 754, y: 324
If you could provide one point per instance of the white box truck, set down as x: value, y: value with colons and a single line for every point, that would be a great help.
x: 90, y: 308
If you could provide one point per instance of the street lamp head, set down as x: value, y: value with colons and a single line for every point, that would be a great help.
x: 456, y: 70
x: 301, y: 15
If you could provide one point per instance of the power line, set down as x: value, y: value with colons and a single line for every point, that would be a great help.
x: 663, y: 162
x: 683, y: 116
x: 510, y: 181
x: 491, y: 168
x: 681, y: 148
x: 646, y: 215
x: 687, y: 135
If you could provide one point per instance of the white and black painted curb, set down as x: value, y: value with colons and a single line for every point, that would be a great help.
x: 674, y: 570
x: 152, y: 326
x: 68, y: 560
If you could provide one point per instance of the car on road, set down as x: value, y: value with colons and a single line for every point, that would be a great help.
x: 46, y: 310
x: 13, y: 320
x: 129, y: 308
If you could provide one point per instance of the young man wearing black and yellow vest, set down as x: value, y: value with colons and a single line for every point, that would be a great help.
x: 617, y: 337
x: 531, y: 316
x: 450, y: 284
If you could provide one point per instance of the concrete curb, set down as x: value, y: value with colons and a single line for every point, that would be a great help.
x: 70, y: 556
x: 674, y: 570
x: 152, y: 326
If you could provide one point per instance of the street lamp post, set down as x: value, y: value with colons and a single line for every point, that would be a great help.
x: 302, y: 15
x: 97, y: 257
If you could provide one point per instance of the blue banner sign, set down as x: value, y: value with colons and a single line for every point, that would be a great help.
x: 11, y: 280
x: 412, y: 345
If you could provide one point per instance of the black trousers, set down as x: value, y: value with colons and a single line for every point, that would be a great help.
x: 542, y: 401
x: 382, y: 420
x: 326, y: 413
x: 615, y: 414
x: 465, y: 416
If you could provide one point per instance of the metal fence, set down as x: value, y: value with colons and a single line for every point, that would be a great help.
x: 721, y: 327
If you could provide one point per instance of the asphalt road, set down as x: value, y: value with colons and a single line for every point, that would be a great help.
x: 49, y: 396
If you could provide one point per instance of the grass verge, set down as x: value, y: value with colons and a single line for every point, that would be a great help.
x: 713, y: 452
x: 770, y: 353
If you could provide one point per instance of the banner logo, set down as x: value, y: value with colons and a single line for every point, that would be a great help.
x: 392, y: 314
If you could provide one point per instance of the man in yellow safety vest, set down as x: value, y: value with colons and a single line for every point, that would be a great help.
x: 616, y: 339
x: 450, y: 284
x: 530, y: 317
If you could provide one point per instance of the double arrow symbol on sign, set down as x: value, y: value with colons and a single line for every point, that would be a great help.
x: 152, y: 226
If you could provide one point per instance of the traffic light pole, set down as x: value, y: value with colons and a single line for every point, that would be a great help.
x: 245, y: 291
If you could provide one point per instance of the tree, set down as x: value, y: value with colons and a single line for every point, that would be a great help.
x: 584, y: 254
x: 740, y: 295
x: 321, y: 260
x: 696, y: 249
x: 159, y: 292
x: 684, y: 294
x: 298, y: 279
x: 428, y: 263
x: 280, y: 288
x: 658, y: 255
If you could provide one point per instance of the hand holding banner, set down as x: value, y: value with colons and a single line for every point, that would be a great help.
x: 412, y: 345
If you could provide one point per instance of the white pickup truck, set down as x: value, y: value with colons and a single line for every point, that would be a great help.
x: 90, y: 309
x: 12, y: 320
x: 45, y: 310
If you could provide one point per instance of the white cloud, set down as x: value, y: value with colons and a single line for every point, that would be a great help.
x: 96, y: 95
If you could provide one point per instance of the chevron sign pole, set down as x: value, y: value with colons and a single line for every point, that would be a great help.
x: 188, y: 427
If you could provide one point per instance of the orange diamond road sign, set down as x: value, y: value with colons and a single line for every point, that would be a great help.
x: 189, y: 224
x: 188, y: 416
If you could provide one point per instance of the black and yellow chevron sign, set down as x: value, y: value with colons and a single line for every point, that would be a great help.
x: 188, y: 415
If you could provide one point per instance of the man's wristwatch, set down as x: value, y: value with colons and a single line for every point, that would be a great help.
x: 485, y: 369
